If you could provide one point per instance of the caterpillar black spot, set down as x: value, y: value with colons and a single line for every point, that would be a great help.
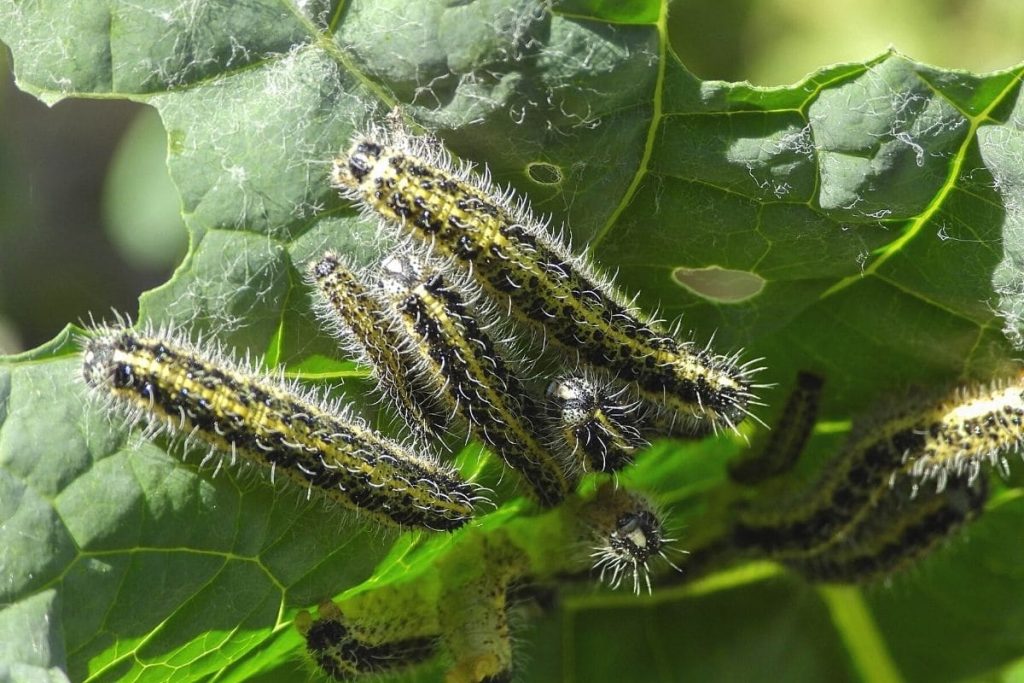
x: 412, y: 183
x: 470, y: 373
x: 190, y: 392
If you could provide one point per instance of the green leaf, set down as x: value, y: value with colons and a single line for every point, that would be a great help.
x: 871, y: 215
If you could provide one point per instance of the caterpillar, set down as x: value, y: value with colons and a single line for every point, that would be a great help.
x: 474, y: 611
x: 413, y: 184
x: 787, y: 439
x: 596, y: 427
x: 352, y: 310
x: 900, y: 528
x: 179, y: 387
x: 624, y: 532
x: 868, y: 514
x: 463, y: 616
x: 471, y: 375
x: 963, y: 429
x: 347, y: 649
x: 926, y: 438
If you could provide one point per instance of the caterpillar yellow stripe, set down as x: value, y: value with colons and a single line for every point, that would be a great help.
x: 193, y: 393
x: 472, y: 375
x: 413, y: 184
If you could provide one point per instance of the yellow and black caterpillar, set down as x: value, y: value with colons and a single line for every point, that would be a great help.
x: 172, y: 383
x: 351, y: 308
x: 471, y: 374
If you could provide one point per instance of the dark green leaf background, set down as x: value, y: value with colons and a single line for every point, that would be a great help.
x: 879, y: 205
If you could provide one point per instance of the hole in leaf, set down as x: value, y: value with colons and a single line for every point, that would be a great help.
x: 721, y: 285
x: 544, y: 173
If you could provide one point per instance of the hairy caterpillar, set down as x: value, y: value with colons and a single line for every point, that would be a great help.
x: 413, y: 184
x: 868, y: 513
x: 786, y: 441
x: 901, y: 527
x: 473, y: 611
x: 965, y: 428
x: 624, y: 532
x: 351, y: 308
x: 469, y: 372
x: 929, y: 439
x: 187, y: 391
x: 596, y: 428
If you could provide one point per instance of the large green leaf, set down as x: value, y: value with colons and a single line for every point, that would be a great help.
x: 871, y: 214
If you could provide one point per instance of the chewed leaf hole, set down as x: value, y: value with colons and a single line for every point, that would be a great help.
x: 721, y: 285
x: 544, y: 173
